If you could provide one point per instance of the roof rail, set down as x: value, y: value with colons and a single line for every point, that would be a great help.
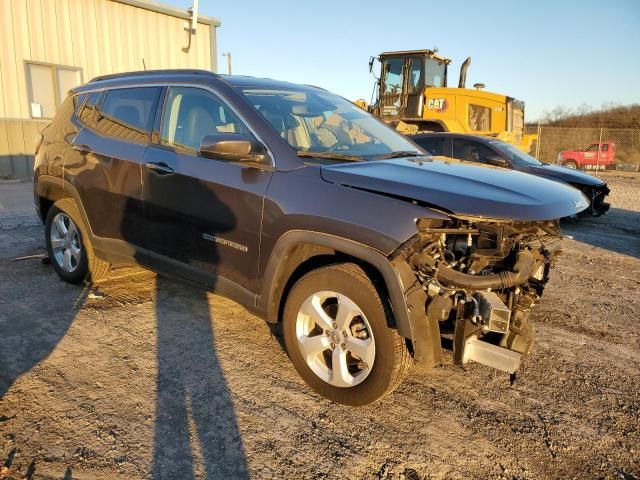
x: 143, y: 73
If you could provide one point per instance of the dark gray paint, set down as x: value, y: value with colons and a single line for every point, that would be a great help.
x: 366, y: 210
x: 462, y: 188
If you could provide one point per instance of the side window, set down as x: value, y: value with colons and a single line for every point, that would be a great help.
x: 415, y: 75
x: 436, y: 146
x: 605, y: 147
x: 471, y: 151
x: 77, y: 101
x: 85, y: 113
x: 190, y: 114
x: 392, y: 75
x: 128, y: 113
x: 592, y: 148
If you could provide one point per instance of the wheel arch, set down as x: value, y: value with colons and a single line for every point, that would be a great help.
x: 51, y: 189
x: 48, y: 190
x: 298, y: 252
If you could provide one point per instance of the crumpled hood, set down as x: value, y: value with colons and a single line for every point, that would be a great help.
x: 462, y: 188
x: 564, y: 174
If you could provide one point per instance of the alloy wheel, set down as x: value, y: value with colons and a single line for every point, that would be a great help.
x: 335, y: 339
x: 65, y: 242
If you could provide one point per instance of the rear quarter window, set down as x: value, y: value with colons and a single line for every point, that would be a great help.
x: 85, y: 105
x: 77, y: 101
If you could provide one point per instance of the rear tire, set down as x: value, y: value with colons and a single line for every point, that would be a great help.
x: 68, y: 245
x: 335, y: 312
x: 570, y: 164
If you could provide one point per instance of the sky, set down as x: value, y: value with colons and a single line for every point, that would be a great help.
x: 548, y: 53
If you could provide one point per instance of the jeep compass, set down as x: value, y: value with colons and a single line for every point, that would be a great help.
x: 306, y: 210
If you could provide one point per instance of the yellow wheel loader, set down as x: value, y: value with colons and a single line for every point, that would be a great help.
x: 411, y: 93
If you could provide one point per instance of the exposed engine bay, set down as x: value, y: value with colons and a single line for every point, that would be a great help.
x: 480, y: 279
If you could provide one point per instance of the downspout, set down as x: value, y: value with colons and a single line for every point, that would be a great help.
x: 213, y: 30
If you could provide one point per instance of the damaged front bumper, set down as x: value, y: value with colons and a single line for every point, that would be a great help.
x: 596, y: 196
x: 474, y: 283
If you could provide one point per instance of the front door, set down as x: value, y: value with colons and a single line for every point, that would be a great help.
x: 590, y: 155
x: 391, y: 87
x: 414, y: 87
x: 605, y: 154
x: 203, y: 215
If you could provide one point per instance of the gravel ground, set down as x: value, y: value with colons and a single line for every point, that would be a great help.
x: 142, y: 377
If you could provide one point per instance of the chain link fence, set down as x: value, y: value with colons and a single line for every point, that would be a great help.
x: 581, y: 144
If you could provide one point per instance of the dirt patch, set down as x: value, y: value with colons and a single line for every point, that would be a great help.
x: 144, y: 377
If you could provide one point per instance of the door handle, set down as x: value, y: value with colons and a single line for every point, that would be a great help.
x: 82, y: 148
x: 160, y: 168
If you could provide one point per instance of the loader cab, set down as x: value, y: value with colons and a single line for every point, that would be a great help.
x: 403, y: 78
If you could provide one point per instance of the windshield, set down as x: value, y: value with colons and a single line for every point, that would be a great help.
x: 514, y: 154
x: 434, y: 73
x: 314, y: 121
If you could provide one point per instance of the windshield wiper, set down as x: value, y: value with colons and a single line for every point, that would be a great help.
x: 330, y: 155
x: 398, y: 154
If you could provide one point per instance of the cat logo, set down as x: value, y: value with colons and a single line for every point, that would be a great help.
x: 440, y: 105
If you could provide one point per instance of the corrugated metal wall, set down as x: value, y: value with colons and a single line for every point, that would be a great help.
x: 98, y: 36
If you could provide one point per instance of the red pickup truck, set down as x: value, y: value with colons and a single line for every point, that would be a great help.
x: 588, y: 158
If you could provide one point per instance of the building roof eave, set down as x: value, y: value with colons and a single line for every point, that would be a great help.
x: 169, y: 10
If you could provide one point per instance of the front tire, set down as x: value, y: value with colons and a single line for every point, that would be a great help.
x: 68, y: 245
x: 337, y: 334
x: 571, y: 165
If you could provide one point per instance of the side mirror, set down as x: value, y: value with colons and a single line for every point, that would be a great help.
x: 497, y: 161
x: 371, y: 60
x: 233, y: 147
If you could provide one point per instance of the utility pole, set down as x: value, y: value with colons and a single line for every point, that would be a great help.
x: 539, y: 132
x: 228, y: 55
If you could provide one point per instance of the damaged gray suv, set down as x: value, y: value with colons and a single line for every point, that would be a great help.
x: 306, y: 210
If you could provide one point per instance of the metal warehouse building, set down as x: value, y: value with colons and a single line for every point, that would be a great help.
x: 50, y: 46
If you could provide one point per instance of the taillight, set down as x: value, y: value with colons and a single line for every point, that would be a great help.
x: 39, y: 142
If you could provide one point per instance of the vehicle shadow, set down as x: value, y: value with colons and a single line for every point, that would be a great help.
x: 618, y: 231
x: 196, y: 433
x: 30, y: 333
x: 195, y: 415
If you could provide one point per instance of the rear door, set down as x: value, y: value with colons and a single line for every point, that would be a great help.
x: 106, y: 165
x: 203, y: 215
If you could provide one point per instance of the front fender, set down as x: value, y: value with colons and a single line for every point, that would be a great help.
x: 406, y: 295
x: 287, y: 256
